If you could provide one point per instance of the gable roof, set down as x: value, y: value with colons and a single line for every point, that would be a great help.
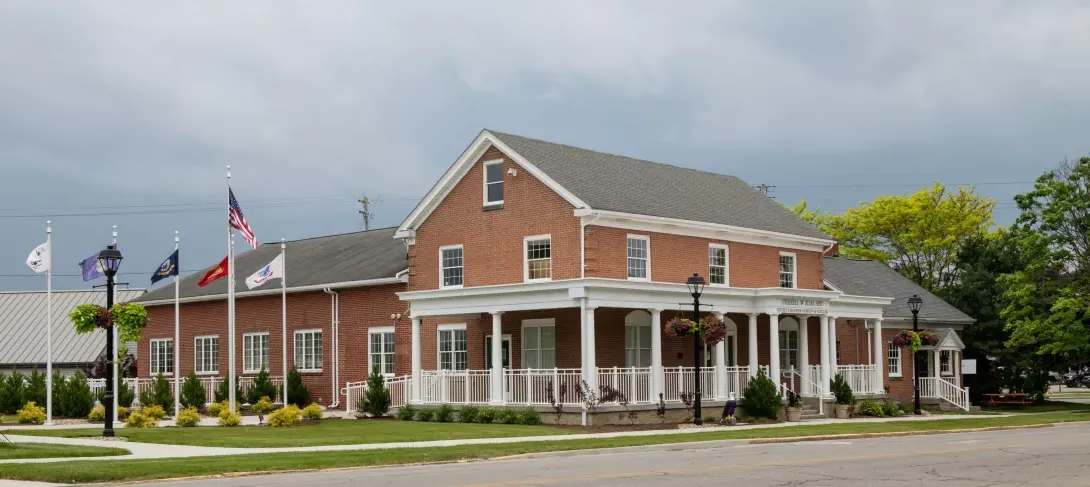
x: 335, y: 259
x: 872, y: 278
x: 607, y: 182
x: 23, y: 324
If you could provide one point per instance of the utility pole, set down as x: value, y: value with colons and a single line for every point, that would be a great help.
x: 365, y: 202
x: 764, y: 189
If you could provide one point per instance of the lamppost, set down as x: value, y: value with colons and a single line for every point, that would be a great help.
x: 696, y: 287
x: 109, y: 260
x: 914, y: 303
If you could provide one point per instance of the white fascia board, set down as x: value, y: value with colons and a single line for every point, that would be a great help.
x: 675, y: 226
x: 273, y: 290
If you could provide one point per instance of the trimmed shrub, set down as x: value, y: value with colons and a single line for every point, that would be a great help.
x: 890, y: 408
x: 425, y: 415
x: 188, y: 418
x: 312, y: 412
x: 35, y: 388
x: 31, y: 414
x: 486, y: 416
x: 507, y: 416
x: 289, y: 415
x: 216, y: 408
x: 444, y: 414
x: 12, y: 395
x: 76, y: 400
x: 870, y: 408
x: 842, y: 392
x: 122, y: 412
x: 376, y: 400
x: 159, y: 394
x: 154, y: 411
x: 193, y: 394
x: 297, y: 390
x: 137, y: 419
x: 229, y: 419
x: 261, y: 387
x: 97, y: 414
x: 406, y: 412
x: 529, y: 417
x: 263, y: 406
x: 761, y: 399
x: 468, y: 414
x: 906, y: 408
x: 223, y: 390
x: 126, y: 395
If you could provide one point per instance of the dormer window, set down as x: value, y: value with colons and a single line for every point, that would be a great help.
x: 493, y: 183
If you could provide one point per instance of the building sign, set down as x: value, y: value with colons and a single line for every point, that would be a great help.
x: 968, y: 366
x: 801, y: 307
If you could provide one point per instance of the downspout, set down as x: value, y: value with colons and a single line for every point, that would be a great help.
x: 583, y: 243
x: 334, y: 340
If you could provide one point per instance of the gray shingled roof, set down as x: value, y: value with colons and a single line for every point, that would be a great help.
x: 23, y: 324
x: 331, y: 259
x: 624, y: 184
x: 873, y: 278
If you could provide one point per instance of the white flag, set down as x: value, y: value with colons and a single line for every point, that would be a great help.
x: 275, y: 270
x: 38, y: 261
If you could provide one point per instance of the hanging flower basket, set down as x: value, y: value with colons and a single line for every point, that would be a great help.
x: 679, y: 327
x: 710, y: 329
x: 910, y: 339
x: 128, y: 319
x: 88, y: 317
x: 928, y: 338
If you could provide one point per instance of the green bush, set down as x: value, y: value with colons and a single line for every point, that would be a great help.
x: 297, y: 390
x: 376, y: 400
x: 529, y: 417
x: 35, y: 388
x: 487, y: 416
x: 890, y: 408
x: 444, y: 414
x: 154, y: 411
x: 870, y: 408
x: 507, y: 416
x: 223, y: 391
x: 425, y: 415
x: 126, y: 395
x: 406, y: 412
x: 192, y: 394
x: 313, y: 412
x: 842, y: 392
x: 159, y: 394
x: 216, y: 408
x: 906, y: 408
x: 76, y: 400
x: 468, y: 414
x: 188, y: 418
x: 12, y: 395
x: 262, y: 406
x: 229, y: 419
x: 97, y: 414
x: 289, y: 415
x: 137, y: 419
x: 761, y: 398
x: 261, y: 387
x: 31, y: 414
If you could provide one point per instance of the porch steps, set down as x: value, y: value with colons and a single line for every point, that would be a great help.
x: 810, y: 412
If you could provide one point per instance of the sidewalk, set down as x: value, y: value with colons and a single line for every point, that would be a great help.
x: 156, y: 450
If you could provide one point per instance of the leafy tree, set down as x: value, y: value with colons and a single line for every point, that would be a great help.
x: 159, y: 394
x: 376, y: 401
x: 262, y: 387
x: 297, y: 390
x: 35, y: 388
x: 13, y: 392
x: 193, y: 393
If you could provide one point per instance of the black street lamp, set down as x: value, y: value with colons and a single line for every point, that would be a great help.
x: 696, y: 287
x: 914, y: 303
x: 109, y: 260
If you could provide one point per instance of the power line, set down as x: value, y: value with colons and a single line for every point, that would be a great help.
x: 886, y: 185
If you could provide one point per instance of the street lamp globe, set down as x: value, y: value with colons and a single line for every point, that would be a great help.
x: 696, y: 285
x: 110, y: 260
x: 915, y: 303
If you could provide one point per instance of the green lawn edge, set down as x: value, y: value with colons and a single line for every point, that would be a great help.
x: 133, y: 470
x: 23, y: 451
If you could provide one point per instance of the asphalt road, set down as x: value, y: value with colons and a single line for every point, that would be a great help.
x: 1057, y: 456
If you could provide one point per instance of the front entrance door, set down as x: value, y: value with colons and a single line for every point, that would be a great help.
x: 505, y: 352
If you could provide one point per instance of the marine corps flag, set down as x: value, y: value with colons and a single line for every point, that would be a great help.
x: 167, y: 269
x: 217, y: 272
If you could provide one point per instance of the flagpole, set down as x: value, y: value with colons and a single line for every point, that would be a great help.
x: 49, y: 324
x: 230, y: 303
x: 114, y: 360
x: 177, y: 338
x: 284, y: 320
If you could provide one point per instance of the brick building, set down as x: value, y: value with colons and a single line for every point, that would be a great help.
x: 575, y: 260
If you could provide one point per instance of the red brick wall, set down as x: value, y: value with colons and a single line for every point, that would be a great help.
x: 676, y: 257
x: 360, y: 309
x: 492, y: 239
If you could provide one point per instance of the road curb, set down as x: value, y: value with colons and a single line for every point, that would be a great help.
x: 848, y: 436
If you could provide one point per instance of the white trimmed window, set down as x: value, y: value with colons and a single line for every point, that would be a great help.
x: 206, y: 355
x: 493, y: 183
x: 945, y: 363
x: 639, y: 257
x: 788, y: 270
x: 789, y: 344
x: 161, y: 358
x: 538, y: 264
x: 717, y: 264
x: 255, y: 352
x: 452, y: 347
x: 451, y: 266
x: 539, y: 344
x: 381, y: 345
x: 308, y: 350
x: 637, y: 345
x: 893, y: 360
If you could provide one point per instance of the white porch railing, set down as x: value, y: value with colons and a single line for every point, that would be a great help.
x: 679, y: 380
x: 939, y: 388
x: 353, y: 392
x: 533, y: 386
x: 634, y: 383
x: 455, y: 386
x: 737, y: 379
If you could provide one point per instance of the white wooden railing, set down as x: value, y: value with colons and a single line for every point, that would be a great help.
x: 634, y: 383
x: 455, y: 386
x: 736, y: 381
x: 939, y: 388
x: 353, y: 392
x: 859, y: 377
x: 679, y: 380
x: 533, y: 386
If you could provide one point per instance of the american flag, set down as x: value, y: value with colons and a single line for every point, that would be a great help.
x: 238, y: 222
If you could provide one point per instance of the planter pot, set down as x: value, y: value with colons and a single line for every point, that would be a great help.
x: 841, y: 411
x: 794, y: 415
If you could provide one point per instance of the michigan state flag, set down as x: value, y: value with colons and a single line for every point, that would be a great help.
x: 168, y: 268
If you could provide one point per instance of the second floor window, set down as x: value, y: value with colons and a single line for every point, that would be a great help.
x: 787, y: 270
x: 539, y: 258
x: 450, y: 266
x: 162, y: 357
x: 639, y: 257
x: 308, y: 350
x: 255, y: 352
x: 493, y: 183
x: 206, y: 355
x: 717, y: 264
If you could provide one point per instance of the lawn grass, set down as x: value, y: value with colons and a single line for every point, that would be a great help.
x: 44, y: 450
x: 327, y: 432
x: 132, y: 470
x: 9, y: 418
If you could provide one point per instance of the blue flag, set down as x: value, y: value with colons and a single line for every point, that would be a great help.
x: 168, y: 268
x: 91, y: 268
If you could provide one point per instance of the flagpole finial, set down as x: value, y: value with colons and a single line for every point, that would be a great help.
x: 175, y: 236
x: 283, y: 243
x: 49, y: 226
x: 228, y: 171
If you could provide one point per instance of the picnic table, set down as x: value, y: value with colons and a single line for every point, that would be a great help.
x: 1008, y: 399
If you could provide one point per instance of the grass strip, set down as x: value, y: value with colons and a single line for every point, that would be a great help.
x: 131, y: 470
x: 45, y: 450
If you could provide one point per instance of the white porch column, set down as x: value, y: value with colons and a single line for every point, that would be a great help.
x: 804, y: 353
x: 497, y: 358
x: 657, y: 377
x: 879, y: 358
x: 414, y: 391
x: 720, y: 365
x: 936, y: 366
x: 825, y: 362
x: 753, y: 367
x: 590, y: 367
x: 956, y: 366
x: 774, y: 349
x: 832, y: 344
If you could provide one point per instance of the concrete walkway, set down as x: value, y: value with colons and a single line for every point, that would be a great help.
x: 156, y: 450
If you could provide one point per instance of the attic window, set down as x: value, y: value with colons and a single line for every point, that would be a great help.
x: 493, y: 183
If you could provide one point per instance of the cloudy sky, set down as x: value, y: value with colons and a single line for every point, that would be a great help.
x: 125, y: 113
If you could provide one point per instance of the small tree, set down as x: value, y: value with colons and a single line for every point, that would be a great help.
x: 59, y: 394
x: 159, y: 394
x: 193, y: 394
x: 223, y: 390
x: 262, y: 387
x: 35, y: 388
x: 78, y: 400
x: 376, y: 401
x: 126, y: 394
x: 297, y: 390
x: 3, y: 393
x: 13, y: 392
x: 761, y: 398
